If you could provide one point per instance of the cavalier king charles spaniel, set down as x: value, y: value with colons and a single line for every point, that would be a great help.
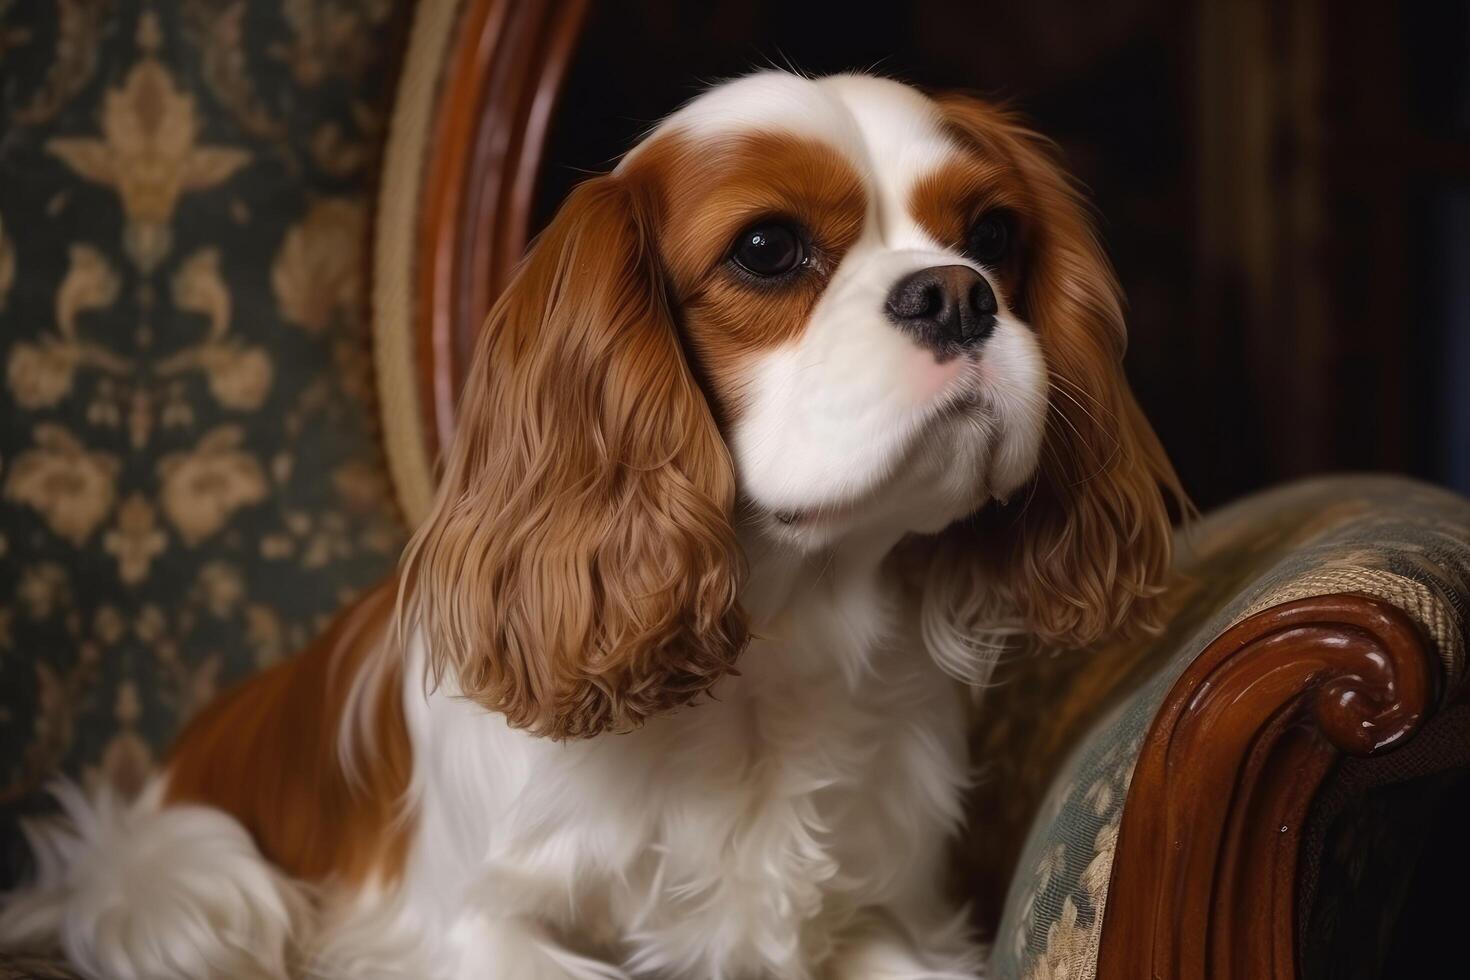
x: 784, y: 429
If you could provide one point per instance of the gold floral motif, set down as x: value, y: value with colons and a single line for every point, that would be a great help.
x: 78, y: 38
x: 1047, y: 867
x: 362, y: 487
x: 150, y: 626
x: 218, y: 33
x: 72, y: 487
x: 105, y: 408
x: 1099, y: 871
x: 317, y: 273
x: 1068, y: 947
x: 127, y: 761
x: 108, y: 625
x: 125, y: 766
x: 192, y: 681
x: 329, y: 37
x: 40, y: 375
x: 203, y: 488
x: 328, y: 541
x: 177, y: 412
x: 149, y: 155
x: 335, y: 153
x: 90, y: 284
x: 136, y: 540
x: 221, y: 587
x: 1099, y: 796
x: 198, y: 287
x: 239, y: 376
x: 265, y: 634
x: 44, y: 589
x: 277, y: 546
x: 1051, y: 862
x: 198, y: 683
x: 140, y: 417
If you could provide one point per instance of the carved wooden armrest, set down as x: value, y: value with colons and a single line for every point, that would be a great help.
x: 1185, y: 805
x: 1204, y: 879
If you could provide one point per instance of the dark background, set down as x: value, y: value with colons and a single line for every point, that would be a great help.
x: 1283, y: 186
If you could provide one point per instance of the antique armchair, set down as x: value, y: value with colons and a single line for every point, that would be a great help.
x: 1235, y: 797
x: 1182, y: 807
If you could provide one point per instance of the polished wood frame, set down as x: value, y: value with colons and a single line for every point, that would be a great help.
x: 1204, y: 881
x: 500, y: 84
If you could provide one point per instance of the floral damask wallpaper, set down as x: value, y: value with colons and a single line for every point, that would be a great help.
x: 190, y: 473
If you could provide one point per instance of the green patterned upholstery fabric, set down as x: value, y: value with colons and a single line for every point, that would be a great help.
x: 1064, y: 778
x: 190, y: 473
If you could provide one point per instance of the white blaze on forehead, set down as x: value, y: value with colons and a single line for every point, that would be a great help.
x: 903, y: 141
x: 769, y: 101
x: 891, y: 133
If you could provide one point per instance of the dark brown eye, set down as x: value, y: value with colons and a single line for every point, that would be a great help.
x: 768, y: 249
x: 989, y: 238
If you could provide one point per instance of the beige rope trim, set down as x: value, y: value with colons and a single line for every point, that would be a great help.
x: 1414, y: 598
x: 395, y: 258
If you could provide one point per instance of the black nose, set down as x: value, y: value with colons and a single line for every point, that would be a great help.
x: 947, y: 308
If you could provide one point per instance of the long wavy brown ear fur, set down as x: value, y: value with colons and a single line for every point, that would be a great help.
x: 1083, y: 553
x: 579, y: 571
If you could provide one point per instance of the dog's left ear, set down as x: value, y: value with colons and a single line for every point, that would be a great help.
x: 1084, y: 551
x: 579, y: 572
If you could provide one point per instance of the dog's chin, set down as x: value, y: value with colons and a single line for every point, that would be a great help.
x: 942, y: 478
x: 810, y: 529
x: 877, y: 521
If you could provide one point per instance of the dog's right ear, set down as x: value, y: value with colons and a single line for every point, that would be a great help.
x: 1087, y: 550
x: 579, y: 571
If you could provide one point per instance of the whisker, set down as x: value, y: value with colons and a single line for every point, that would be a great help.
x: 1084, y: 410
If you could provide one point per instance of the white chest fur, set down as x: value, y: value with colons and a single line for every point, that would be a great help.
x: 745, y: 836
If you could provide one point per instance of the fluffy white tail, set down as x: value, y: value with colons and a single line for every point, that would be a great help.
x: 135, y: 890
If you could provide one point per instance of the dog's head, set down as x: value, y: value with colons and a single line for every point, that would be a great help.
x: 827, y: 310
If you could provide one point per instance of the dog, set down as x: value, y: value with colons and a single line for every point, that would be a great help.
x: 784, y: 429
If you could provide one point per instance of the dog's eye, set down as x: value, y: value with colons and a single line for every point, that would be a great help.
x: 771, y: 248
x: 989, y: 238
